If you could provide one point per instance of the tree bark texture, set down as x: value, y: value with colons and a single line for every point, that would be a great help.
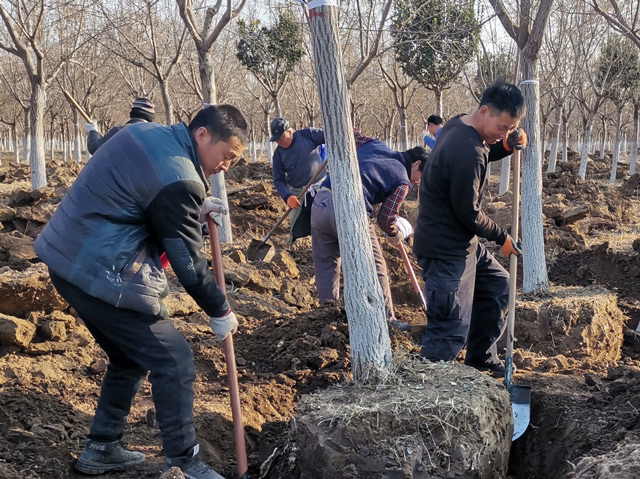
x: 553, y: 153
x: 534, y: 264
x: 369, y: 336
x: 616, y: 147
x: 77, y: 149
x: 505, y: 169
x: 38, y: 167
x: 633, y: 156
x: 586, y: 140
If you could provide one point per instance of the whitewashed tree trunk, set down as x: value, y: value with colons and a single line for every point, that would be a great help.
x: 565, y: 141
x: 77, y: 149
x: 166, y: 99
x: 505, y: 170
x: 534, y: 266
x: 553, y: 152
x: 369, y: 336
x: 404, y: 140
x: 65, y: 149
x: 16, y: 145
x: 38, y: 166
x: 633, y: 156
x: 52, y: 147
x: 586, y: 140
x: 616, y: 148
x: 26, y: 146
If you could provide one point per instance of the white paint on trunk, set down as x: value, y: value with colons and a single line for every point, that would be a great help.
x: 369, y: 336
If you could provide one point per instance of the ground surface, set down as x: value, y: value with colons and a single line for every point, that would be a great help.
x: 585, y: 403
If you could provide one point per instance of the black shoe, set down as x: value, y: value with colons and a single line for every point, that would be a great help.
x: 101, y: 457
x: 406, y: 327
x: 192, y: 466
x: 495, y: 369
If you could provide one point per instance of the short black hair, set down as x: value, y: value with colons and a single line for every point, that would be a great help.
x: 434, y: 120
x: 221, y: 121
x: 504, y: 97
x: 415, y: 154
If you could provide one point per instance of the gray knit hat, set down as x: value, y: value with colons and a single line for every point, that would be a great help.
x: 142, y: 108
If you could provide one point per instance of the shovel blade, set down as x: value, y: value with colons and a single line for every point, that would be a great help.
x: 259, y: 251
x: 521, y: 407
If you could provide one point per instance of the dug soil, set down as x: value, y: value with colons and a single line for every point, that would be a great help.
x: 577, y: 345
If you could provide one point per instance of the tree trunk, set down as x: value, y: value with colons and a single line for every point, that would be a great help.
x: 553, y: 153
x: 604, y: 140
x: 534, y: 266
x: 38, y: 166
x: 404, y: 140
x: 65, y: 151
x: 77, y: 149
x: 565, y: 141
x: 253, y: 145
x: 438, y: 94
x: 207, y: 77
x: 16, y: 144
x: 616, y: 147
x: 582, y: 172
x: 505, y: 169
x: 168, y: 105
x: 26, y: 146
x: 369, y: 336
x: 276, y: 105
x: 633, y: 156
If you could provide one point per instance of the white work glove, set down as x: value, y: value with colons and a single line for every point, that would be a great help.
x: 425, y: 134
x: 93, y: 126
x: 404, y: 227
x: 215, y: 208
x: 395, y: 240
x: 224, y: 325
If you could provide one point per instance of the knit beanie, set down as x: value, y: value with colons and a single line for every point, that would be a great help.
x: 142, y: 108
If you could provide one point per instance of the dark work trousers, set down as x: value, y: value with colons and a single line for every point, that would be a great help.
x: 326, y: 253
x: 301, y: 218
x: 466, y: 303
x: 136, y: 343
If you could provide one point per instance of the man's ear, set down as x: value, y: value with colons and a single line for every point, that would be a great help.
x: 202, y: 135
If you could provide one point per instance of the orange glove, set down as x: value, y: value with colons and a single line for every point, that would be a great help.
x: 516, y: 139
x: 293, y: 202
x: 510, y: 247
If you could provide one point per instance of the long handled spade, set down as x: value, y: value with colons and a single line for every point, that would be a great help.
x: 260, y: 249
x: 77, y: 106
x: 230, y: 356
x: 412, y: 275
x: 520, y: 395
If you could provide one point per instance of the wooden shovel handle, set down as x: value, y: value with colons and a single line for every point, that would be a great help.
x: 77, y: 106
x: 230, y: 357
x: 300, y: 196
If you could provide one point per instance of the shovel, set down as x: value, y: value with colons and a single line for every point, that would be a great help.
x: 259, y: 249
x: 520, y: 395
x: 230, y: 356
x: 412, y: 275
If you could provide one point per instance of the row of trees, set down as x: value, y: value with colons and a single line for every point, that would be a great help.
x: 403, y: 61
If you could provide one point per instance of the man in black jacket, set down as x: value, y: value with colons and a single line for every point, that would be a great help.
x: 467, y: 289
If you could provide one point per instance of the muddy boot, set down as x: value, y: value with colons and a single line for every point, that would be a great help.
x: 400, y: 326
x: 192, y: 466
x: 100, y: 457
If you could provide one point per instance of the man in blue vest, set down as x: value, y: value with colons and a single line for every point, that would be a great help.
x: 142, y: 194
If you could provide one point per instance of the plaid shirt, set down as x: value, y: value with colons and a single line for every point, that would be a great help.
x: 360, y: 138
x: 391, y: 207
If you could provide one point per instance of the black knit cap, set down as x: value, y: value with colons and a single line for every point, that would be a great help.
x: 142, y: 108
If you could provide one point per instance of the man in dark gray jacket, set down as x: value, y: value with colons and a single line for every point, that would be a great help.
x: 143, y: 194
x: 142, y: 111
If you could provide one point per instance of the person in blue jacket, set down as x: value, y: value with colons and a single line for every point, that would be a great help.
x: 434, y: 125
x: 386, y: 178
x: 297, y: 158
x: 143, y: 194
